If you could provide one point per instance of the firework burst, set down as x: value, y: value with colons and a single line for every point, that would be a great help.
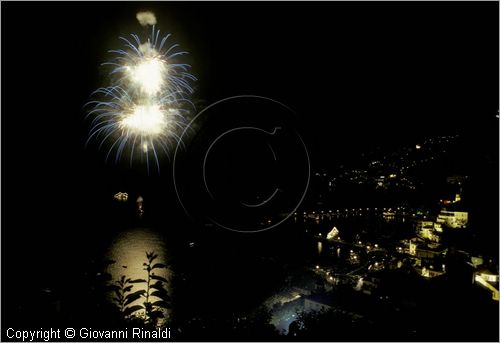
x: 145, y: 107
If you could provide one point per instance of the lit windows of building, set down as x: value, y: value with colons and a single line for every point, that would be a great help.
x: 453, y: 219
x: 489, y: 280
x: 332, y: 234
x: 121, y: 196
x: 429, y: 272
x: 428, y: 230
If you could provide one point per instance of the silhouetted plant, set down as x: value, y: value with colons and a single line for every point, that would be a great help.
x: 155, y: 287
x: 125, y: 295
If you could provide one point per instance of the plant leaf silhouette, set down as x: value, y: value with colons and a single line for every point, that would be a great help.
x: 161, y: 303
x: 157, y: 277
x: 133, y: 296
x: 161, y: 294
x: 159, y: 265
x: 157, y: 285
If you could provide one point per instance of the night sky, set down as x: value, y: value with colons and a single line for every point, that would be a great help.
x: 357, y: 75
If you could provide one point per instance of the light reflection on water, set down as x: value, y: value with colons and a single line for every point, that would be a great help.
x: 320, y: 247
x: 128, y: 250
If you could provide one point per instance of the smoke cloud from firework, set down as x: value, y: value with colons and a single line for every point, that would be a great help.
x: 146, y: 18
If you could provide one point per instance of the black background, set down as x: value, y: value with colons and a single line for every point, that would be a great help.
x: 357, y: 74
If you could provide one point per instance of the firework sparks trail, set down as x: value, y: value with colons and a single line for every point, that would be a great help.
x: 147, y: 104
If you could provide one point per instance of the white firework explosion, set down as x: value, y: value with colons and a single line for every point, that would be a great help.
x: 147, y: 104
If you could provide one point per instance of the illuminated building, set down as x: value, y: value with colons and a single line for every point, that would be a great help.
x: 421, y: 249
x: 489, y: 280
x: 121, y: 196
x: 427, y: 229
x: 380, y: 182
x: 438, y: 227
x: 458, y: 198
x: 488, y: 275
x: 389, y: 215
x: 413, y: 247
x: 453, y: 219
x: 430, y: 272
x: 332, y: 234
x: 430, y: 250
x: 476, y: 261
